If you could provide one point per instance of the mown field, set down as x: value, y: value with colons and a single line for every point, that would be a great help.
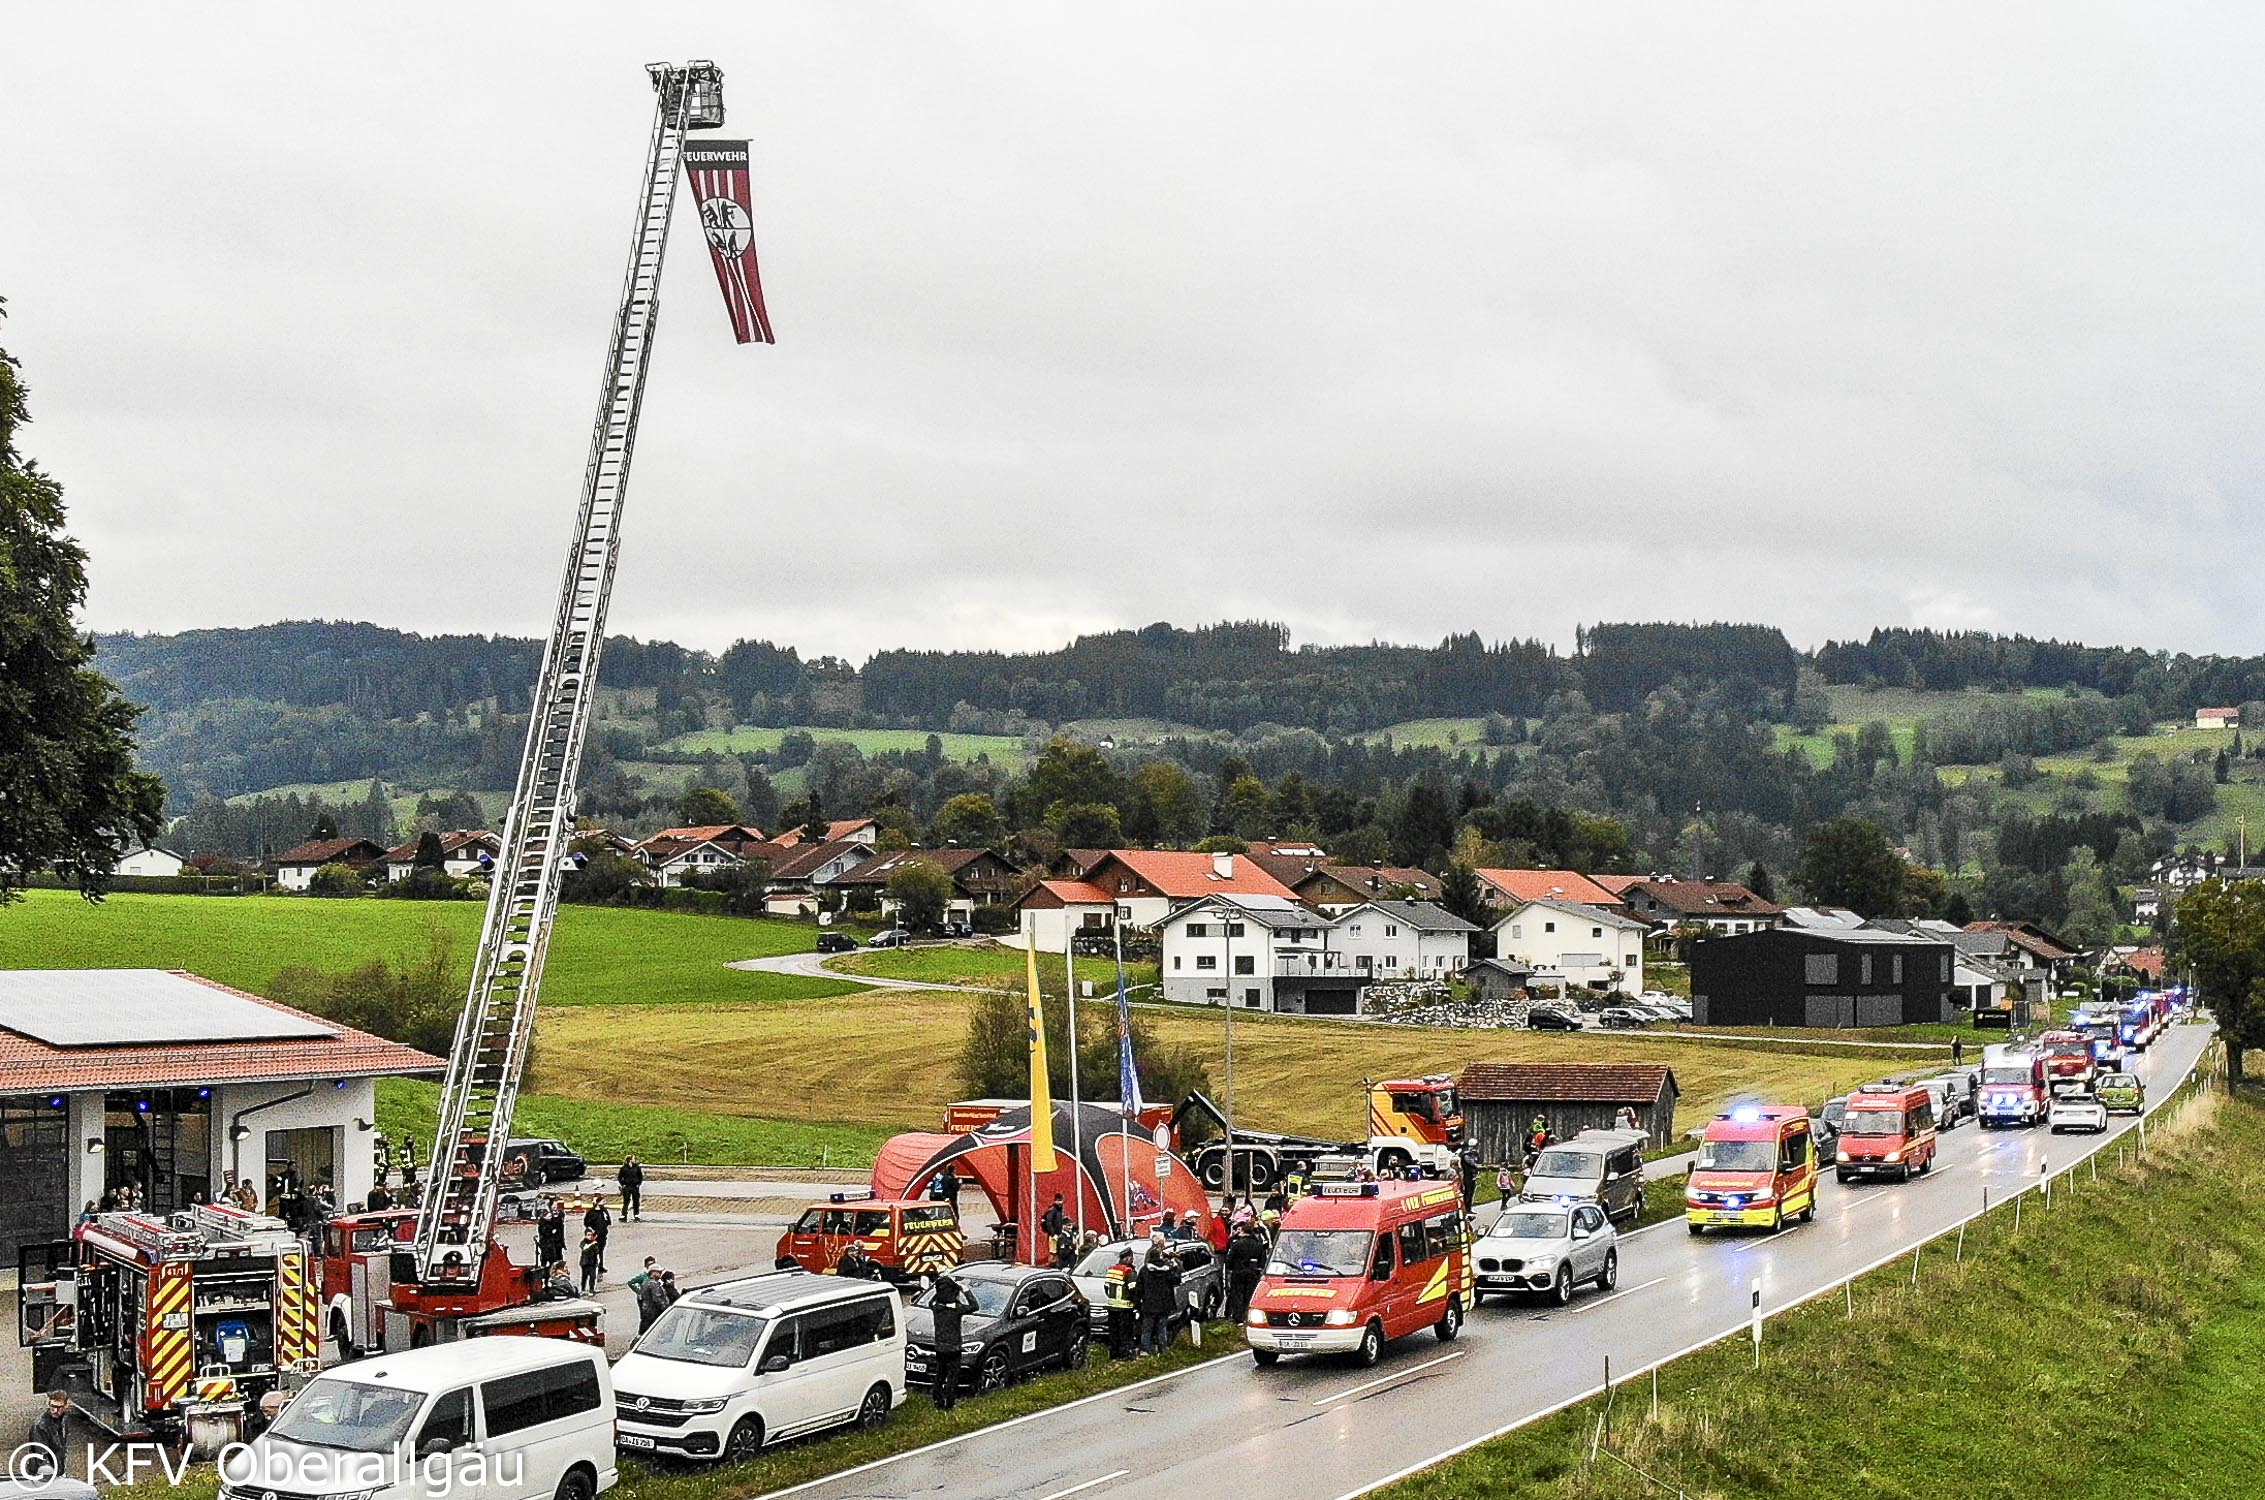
x: 606, y: 1132
x: 609, y: 956
x: 747, y: 738
x: 886, y: 1059
x: 2151, y: 1282
x: 987, y: 967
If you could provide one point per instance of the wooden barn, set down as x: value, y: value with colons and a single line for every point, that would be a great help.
x: 1500, y: 1101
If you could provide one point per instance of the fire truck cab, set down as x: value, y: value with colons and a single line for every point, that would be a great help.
x: 372, y: 1303
x: 2013, y: 1087
x: 1415, y: 1122
x: 1358, y: 1264
x: 1889, y: 1129
x: 152, y: 1322
x: 2069, y: 1063
x: 907, y: 1238
x: 1757, y: 1167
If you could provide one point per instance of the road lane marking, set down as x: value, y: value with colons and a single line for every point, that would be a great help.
x: 997, y: 1427
x: 1616, y: 1296
x: 1089, y: 1484
x: 1370, y: 1385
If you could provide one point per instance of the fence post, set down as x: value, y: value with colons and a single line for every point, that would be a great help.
x: 1958, y: 1257
x: 1848, y: 1294
x: 2017, y: 1213
x: 1915, y: 1268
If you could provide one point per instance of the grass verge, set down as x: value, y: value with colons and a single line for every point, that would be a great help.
x: 2053, y: 1361
x: 658, y: 1136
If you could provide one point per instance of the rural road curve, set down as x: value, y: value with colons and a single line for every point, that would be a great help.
x: 1308, y: 1430
x: 814, y: 966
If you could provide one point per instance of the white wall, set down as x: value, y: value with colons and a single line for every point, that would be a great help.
x: 1399, y: 952
x: 327, y: 1105
x: 155, y: 862
x: 1582, y: 947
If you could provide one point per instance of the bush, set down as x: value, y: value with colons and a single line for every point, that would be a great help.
x: 336, y: 880
x: 995, y: 920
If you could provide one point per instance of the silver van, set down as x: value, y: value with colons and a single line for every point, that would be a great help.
x: 1607, y: 1165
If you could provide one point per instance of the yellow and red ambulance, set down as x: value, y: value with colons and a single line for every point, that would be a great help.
x: 1757, y: 1168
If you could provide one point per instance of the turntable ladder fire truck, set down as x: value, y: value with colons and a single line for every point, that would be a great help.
x: 452, y: 1279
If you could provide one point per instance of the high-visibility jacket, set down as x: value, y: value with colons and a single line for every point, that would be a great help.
x: 1116, y: 1287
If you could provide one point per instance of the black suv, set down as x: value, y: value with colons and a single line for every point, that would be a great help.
x: 545, y: 1160
x: 1025, y: 1319
x: 836, y: 942
x: 1549, y: 1018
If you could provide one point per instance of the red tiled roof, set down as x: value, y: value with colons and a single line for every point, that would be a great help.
x: 324, y: 851
x: 1617, y: 884
x: 877, y: 869
x: 2226, y: 712
x: 1567, y: 1083
x: 1190, y: 877
x: 2148, y: 961
x: 793, y: 861
x: 1376, y: 880
x: 401, y: 854
x: 1049, y: 894
x: 1703, y: 898
x: 28, y: 1065
x: 1549, y: 885
x: 838, y: 831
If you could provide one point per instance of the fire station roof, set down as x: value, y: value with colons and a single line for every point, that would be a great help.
x: 69, y: 1029
x: 1570, y: 1083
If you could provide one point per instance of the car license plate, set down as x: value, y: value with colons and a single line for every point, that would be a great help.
x: 1293, y: 1340
x: 632, y: 1440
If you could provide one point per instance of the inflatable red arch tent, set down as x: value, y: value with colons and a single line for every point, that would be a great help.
x: 1110, y: 1164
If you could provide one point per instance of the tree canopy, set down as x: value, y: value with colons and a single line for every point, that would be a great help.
x: 70, y: 795
x: 2220, y: 939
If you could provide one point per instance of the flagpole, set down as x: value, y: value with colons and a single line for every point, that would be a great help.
x: 1128, y: 1082
x: 1077, y: 1129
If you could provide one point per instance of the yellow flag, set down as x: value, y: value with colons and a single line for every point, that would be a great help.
x: 1041, y: 1095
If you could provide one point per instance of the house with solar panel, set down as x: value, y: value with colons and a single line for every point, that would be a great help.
x: 175, y: 1085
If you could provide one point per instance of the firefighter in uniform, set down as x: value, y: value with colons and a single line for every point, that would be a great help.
x: 1116, y: 1293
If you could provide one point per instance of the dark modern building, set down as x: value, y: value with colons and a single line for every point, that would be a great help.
x: 1801, y: 976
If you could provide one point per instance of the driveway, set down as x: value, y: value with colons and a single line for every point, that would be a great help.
x: 814, y: 966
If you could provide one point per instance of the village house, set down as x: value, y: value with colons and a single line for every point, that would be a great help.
x: 1053, y: 912
x: 1822, y: 977
x: 1720, y: 907
x: 2217, y: 718
x: 979, y: 877
x: 464, y: 852
x: 149, y: 863
x: 1400, y: 940
x: 1508, y: 888
x: 1146, y: 884
x: 295, y: 867
x: 1258, y: 952
x: 1337, y: 887
x: 1584, y: 945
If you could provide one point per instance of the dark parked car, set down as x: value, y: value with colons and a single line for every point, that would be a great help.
x: 545, y: 1160
x: 1624, y: 1018
x: 895, y: 937
x: 1549, y: 1018
x: 1025, y: 1319
x: 1203, y: 1284
x: 836, y: 942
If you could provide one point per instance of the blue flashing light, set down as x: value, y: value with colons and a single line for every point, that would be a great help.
x: 142, y: 1105
x: 54, y: 1101
x: 1735, y: 1200
x: 1746, y: 1114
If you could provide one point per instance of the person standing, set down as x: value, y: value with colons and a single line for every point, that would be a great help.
x: 597, y: 1219
x: 652, y: 1295
x: 1468, y: 1161
x: 947, y: 1186
x: 631, y: 1179
x: 593, y: 1261
x: 550, y: 1234
x: 1957, y: 1051
x: 50, y: 1437
x: 1054, y: 1217
x: 948, y: 1303
x: 1246, y: 1263
x: 1117, y: 1295
x: 1158, y: 1294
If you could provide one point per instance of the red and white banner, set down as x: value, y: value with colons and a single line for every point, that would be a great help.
x: 717, y: 171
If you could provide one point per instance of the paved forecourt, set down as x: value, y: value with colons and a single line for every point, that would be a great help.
x: 1319, y: 1429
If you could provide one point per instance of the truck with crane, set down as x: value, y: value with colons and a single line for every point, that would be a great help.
x: 1413, y: 1122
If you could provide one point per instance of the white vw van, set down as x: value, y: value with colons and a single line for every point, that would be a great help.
x: 503, y: 1418
x: 733, y: 1366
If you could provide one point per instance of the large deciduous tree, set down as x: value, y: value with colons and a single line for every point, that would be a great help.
x: 69, y: 793
x: 1849, y: 862
x: 706, y: 807
x: 2220, y: 939
x: 921, y: 891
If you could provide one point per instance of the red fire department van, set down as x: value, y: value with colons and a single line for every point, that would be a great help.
x: 1359, y: 1264
x: 907, y: 1237
x: 1888, y: 1130
x: 1757, y: 1167
x: 2069, y: 1063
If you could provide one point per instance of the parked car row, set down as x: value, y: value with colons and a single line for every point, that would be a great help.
x: 1564, y: 1016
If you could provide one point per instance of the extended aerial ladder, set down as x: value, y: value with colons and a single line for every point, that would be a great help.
x: 452, y: 1276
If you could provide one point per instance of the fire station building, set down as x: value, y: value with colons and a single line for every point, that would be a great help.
x: 176, y: 1085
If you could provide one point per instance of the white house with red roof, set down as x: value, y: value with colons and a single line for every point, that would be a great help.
x: 1054, y: 911
x: 464, y: 852
x: 1146, y: 884
x: 177, y: 1085
x: 2217, y: 718
x: 1516, y: 887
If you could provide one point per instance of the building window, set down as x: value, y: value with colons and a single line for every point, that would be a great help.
x: 1549, y: 926
x: 1596, y: 932
x: 1895, y: 968
x: 1630, y: 960
x: 1234, y: 929
x: 1245, y: 964
x: 1198, y: 929
x: 1517, y: 930
x: 1175, y: 960
x: 1390, y: 930
x: 1354, y: 930
x: 1391, y: 962
x: 1216, y: 992
x: 1822, y: 968
x: 1207, y: 960
x: 1124, y: 911
x: 1250, y: 998
x: 1863, y: 968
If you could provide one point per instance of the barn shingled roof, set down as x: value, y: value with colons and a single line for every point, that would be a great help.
x: 1570, y: 1083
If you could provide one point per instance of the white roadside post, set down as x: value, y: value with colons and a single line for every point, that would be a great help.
x: 1757, y: 1295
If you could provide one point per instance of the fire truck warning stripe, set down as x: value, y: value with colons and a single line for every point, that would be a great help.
x: 170, y: 1349
x: 298, y: 1330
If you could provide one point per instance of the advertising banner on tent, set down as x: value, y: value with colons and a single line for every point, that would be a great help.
x: 717, y: 171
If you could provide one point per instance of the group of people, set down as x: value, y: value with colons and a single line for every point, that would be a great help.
x: 550, y: 1243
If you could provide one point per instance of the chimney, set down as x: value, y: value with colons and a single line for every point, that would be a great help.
x: 1223, y: 865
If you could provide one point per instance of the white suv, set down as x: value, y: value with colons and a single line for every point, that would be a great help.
x: 733, y: 1366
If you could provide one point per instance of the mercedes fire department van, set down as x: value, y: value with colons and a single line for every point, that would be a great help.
x: 1358, y: 1264
x: 1888, y: 1130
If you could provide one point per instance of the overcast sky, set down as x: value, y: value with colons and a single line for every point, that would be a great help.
x: 1382, y: 321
